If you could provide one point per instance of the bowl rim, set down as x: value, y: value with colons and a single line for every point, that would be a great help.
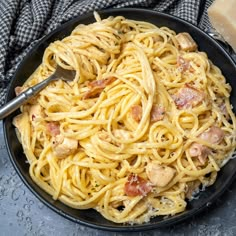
x: 120, y: 227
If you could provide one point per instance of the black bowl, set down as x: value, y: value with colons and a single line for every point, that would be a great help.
x: 90, y: 217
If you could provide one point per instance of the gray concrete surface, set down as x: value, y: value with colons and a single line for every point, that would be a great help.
x: 21, y: 213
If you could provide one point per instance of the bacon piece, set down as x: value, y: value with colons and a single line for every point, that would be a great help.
x: 102, y: 83
x: 18, y: 90
x: 214, y: 135
x: 92, y: 93
x: 53, y: 128
x: 157, y: 113
x: 97, y: 86
x: 188, y: 97
x: 200, y: 151
x: 136, y: 186
x: 159, y: 175
x: 186, y: 42
x: 63, y: 146
x: 136, y: 112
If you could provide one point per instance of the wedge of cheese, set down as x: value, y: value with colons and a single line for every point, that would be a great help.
x: 222, y: 15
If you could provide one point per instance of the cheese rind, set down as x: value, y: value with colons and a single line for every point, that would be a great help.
x: 223, y: 18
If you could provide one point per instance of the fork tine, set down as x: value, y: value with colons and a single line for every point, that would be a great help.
x: 64, y: 74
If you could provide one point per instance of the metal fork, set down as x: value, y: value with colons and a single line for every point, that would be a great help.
x: 60, y: 73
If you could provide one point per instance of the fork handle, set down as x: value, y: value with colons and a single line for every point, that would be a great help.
x: 16, y: 102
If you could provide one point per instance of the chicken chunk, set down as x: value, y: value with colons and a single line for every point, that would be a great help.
x: 157, y: 113
x: 186, y: 42
x: 159, y: 175
x: 35, y: 114
x: 136, y: 112
x: 214, y: 135
x: 17, y: 122
x: 63, y: 146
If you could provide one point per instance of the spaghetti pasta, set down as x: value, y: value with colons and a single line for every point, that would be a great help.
x: 145, y: 123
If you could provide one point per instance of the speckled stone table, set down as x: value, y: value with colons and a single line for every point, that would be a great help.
x: 21, y: 213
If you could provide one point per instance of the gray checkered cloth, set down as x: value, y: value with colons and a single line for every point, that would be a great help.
x: 25, y: 22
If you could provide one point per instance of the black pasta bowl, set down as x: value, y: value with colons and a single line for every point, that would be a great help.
x: 91, y: 218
